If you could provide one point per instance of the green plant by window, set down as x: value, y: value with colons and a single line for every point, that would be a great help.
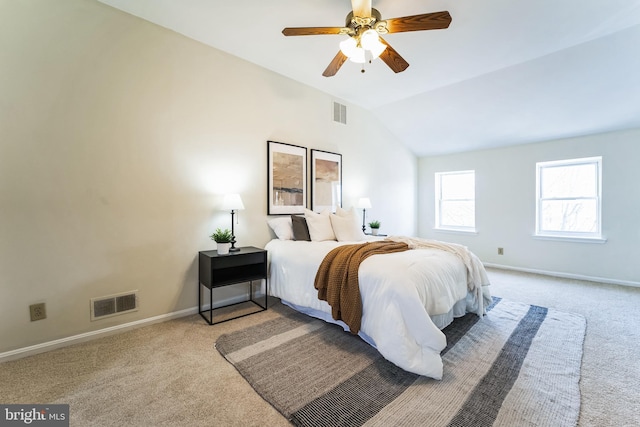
x: 374, y: 224
x: 222, y: 236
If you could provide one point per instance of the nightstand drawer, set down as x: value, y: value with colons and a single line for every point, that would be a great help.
x: 239, y: 260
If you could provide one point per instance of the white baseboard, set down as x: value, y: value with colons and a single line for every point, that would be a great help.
x: 566, y: 275
x: 88, y: 336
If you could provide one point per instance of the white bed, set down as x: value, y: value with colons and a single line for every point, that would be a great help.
x: 407, y: 297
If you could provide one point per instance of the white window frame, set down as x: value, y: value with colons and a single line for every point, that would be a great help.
x: 595, y: 236
x: 438, y: 203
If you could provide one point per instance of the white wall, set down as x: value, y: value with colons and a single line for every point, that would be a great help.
x: 505, y: 207
x: 118, y: 139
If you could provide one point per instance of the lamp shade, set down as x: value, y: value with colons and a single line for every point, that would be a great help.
x: 359, y: 56
x: 364, y: 203
x: 348, y: 46
x: 377, y: 49
x: 232, y: 202
x: 350, y: 49
x: 371, y: 42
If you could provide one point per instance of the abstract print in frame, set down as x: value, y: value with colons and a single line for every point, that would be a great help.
x: 326, y: 181
x: 287, y: 178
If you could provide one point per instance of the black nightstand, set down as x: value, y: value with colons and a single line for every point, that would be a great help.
x: 215, y: 271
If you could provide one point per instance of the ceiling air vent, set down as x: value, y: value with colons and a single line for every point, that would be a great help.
x: 339, y: 113
x: 113, y: 305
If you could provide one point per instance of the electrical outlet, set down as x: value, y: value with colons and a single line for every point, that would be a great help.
x: 38, y: 311
x: 500, y: 251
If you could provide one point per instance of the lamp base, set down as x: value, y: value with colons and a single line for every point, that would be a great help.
x: 233, y: 244
x: 233, y: 235
x: 364, y: 229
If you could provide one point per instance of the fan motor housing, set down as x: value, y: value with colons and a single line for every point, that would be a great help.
x: 359, y: 21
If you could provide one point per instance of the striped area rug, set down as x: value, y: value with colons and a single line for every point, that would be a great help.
x: 518, y: 366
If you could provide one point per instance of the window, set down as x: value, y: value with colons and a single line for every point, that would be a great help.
x: 568, y: 198
x: 456, y: 200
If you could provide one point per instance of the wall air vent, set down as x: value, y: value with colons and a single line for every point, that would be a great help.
x: 339, y: 113
x: 114, y: 305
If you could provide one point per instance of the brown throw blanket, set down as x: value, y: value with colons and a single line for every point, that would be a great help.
x: 337, y: 279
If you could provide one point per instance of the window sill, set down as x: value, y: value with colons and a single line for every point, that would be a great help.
x: 455, y: 231
x: 597, y: 240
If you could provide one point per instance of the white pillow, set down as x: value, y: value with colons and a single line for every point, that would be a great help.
x: 346, y: 226
x: 345, y: 212
x: 282, y: 227
x: 319, y: 224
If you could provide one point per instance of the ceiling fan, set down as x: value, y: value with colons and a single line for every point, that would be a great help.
x: 364, y: 25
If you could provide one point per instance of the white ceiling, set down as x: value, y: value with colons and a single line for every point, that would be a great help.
x: 505, y: 71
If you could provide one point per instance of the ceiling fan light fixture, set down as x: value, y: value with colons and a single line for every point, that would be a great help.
x: 359, y: 56
x: 369, y: 39
x: 351, y: 50
x: 348, y: 46
x: 371, y: 42
x: 377, y: 49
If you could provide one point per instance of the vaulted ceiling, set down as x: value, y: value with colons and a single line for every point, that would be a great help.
x: 504, y: 72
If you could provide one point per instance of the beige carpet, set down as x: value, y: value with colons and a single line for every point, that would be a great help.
x: 170, y: 374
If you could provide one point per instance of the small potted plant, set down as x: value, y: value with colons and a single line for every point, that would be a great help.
x: 375, y: 226
x: 223, y: 239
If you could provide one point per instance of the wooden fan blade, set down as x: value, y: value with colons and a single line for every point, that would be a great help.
x: 393, y: 58
x: 426, y: 21
x: 335, y: 64
x: 361, y: 8
x: 313, y: 31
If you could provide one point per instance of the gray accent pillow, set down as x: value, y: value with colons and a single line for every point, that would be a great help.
x: 300, y: 228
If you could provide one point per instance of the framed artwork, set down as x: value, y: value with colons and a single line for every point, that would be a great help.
x: 287, y: 178
x: 326, y: 181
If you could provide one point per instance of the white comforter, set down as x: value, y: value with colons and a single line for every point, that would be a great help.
x: 402, y: 295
